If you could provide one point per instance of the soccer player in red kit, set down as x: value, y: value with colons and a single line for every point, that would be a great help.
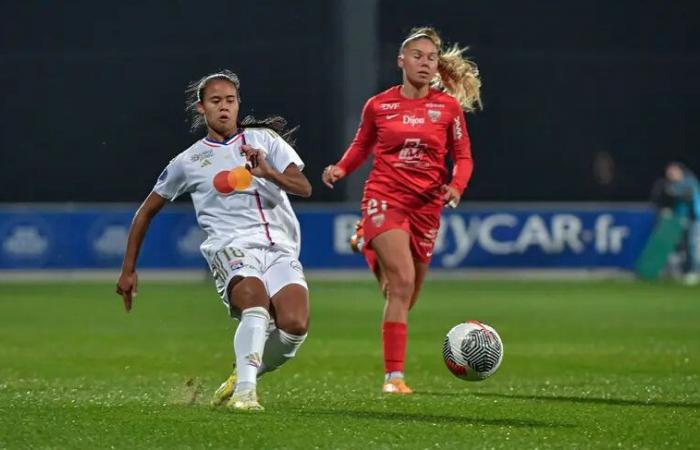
x: 410, y: 129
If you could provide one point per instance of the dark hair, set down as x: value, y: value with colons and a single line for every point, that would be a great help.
x: 195, y: 92
x: 278, y: 124
x: 680, y: 165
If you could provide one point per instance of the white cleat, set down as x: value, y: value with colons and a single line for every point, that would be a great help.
x: 244, y: 401
x: 691, y: 279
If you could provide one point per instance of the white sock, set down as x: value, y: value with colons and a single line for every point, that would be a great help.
x: 279, y: 348
x: 393, y: 376
x: 249, y: 345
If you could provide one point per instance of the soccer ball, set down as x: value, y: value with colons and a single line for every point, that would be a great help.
x: 472, y: 351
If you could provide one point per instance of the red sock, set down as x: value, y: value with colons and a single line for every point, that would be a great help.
x: 394, y: 339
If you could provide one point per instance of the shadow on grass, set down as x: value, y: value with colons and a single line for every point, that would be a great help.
x: 594, y: 400
x: 434, y: 418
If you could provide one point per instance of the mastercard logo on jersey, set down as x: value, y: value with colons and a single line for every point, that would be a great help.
x: 237, y: 179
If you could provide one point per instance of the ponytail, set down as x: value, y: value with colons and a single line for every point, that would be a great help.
x: 457, y: 75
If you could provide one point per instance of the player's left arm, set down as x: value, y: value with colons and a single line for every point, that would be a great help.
x: 459, y: 146
x: 291, y: 179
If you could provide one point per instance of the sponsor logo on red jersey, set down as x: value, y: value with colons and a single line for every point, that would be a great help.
x: 389, y: 106
x: 377, y: 219
x: 413, y: 120
x: 412, y: 151
x: 457, y: 129
x: 414, y: 117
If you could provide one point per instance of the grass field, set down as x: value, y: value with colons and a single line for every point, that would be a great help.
x: 586, y: 365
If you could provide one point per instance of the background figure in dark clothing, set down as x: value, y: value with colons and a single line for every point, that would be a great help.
x: 679, y: 194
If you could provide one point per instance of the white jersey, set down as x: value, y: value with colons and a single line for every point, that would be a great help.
x: 258, y: 216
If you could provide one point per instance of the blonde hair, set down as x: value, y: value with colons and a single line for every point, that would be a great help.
x: 457, y: 75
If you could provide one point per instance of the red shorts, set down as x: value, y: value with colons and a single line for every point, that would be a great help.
x: 422, y: 226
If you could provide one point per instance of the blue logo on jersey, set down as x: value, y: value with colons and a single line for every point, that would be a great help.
x: 163, y: 175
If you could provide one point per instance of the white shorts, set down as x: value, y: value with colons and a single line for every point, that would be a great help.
x: 276, y: 268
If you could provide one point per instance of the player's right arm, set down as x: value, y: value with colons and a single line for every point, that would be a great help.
x: 171, y: 183
x: 127, y: 286
x: 358, y: 151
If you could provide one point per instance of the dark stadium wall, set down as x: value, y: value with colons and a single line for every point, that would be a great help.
x: 584, y: 101
x: 93, y: 97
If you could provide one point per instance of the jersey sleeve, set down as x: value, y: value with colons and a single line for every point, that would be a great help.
x: 280, y: 154
x: 363, y: 142
x: 460, y: 150
x: 172, y: 182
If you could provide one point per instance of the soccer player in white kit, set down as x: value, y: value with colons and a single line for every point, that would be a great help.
x: 238, y: 177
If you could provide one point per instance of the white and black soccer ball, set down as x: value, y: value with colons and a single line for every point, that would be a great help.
x: 472, y: 351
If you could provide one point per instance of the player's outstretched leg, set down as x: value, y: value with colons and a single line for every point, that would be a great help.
x: 224, y: 392
x: 291, y: 305
x: 249, y: 344
x: 394, y: 379
x: 394, y: 343
x: 279, y: 348
x: 392, y: 248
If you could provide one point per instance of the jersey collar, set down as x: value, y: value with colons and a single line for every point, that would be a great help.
x: 229, y: 141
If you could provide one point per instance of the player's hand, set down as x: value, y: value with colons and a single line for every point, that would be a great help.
x: 257, y: 164
x: 331, y: 174
x: 127, y: 287
x: 450, y: 196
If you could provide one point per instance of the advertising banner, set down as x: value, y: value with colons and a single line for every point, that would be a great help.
x: 495, y: 237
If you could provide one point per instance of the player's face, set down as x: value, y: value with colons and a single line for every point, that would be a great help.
x: 674, y: 173
x: 219, y: 106
x: 419, y: 61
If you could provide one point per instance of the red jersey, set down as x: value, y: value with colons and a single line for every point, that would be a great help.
x: 410, y: 139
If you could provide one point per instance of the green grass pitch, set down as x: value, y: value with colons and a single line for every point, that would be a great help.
x: 586, y: 365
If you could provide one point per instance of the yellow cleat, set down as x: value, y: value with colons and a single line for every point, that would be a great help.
x: 244, y: 401
x: 396, y: 386
x: 224, y: 392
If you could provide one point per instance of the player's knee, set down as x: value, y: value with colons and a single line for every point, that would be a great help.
x: 400, y: 289
x: 248, y: 294
x: 296, y: 325
x: 405, y: 281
